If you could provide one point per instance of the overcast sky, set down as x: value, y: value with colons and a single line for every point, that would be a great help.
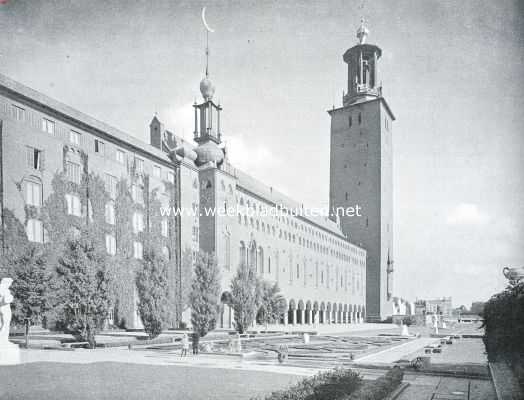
x: 451, y: 72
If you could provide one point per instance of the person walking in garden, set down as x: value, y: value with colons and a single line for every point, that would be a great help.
x: 185, y: 345
x: 196, y: 339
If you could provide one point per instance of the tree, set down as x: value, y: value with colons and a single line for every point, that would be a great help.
x: 205, y: 294
x: 153, y: 291
x: 83, y: 286
x: 31, y: 287
x: 272, y: 304
x: 245, y: 297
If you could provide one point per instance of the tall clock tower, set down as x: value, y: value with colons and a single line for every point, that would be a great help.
x: 361, y: 170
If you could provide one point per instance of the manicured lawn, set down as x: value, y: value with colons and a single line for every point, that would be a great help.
x: 53, y: 381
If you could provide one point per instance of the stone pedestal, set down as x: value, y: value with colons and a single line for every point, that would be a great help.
x: 404, y: 330
x: 9, y: 354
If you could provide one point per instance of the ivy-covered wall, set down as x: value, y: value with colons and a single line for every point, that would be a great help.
x: 91, y: 190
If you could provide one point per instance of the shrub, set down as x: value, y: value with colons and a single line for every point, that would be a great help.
x: 380, y: 388
x: 504, y: 324
x: 331, y: 385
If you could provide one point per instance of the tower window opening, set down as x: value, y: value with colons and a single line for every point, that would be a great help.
x: 350, y: 121
x: 359, y: 118
x: 347, y: 196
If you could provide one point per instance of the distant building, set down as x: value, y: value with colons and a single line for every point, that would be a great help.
x: 439, y: 306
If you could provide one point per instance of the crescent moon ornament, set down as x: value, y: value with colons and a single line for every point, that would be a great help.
x: 204, y: 20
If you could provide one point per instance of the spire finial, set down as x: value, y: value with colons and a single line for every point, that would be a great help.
x: 207, y: 53
x: 362, y: 32
x: 206, y: 86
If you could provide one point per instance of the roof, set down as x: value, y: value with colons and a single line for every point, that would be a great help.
x: 66, y: 112
x: 272, y: 195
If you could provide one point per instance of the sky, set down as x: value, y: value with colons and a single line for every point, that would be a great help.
x: 451, y: 72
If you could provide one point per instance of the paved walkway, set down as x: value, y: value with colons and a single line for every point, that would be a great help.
x: 396, y: 353
x: 444, y: 388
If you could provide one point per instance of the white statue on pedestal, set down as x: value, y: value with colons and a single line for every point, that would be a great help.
x: 404, y: 330
x: 9, y: 352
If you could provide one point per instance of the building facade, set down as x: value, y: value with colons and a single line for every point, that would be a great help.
x: 322, y: 274
x: 361, y: 170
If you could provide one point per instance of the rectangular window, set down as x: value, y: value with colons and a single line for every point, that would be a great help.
x: 120, y: 156
x: 100, y: 147
x: 33, y: 194
x: 74, y: 137
x: 35, y: 231
x: 18, y: 113
x: 110, y: 213
x: 157, y: 171
x: 111, y: 185
x: 165, y: 227
x: 138, y: 222
x: 34, y: 158
x: 137, y: 194
x: 170, y: 176
x: 110, y: 245
x: 139, y: 165
x: 48, y: 126
x: 73, y: 172
x: 137, y: 250
x: 73, y: 205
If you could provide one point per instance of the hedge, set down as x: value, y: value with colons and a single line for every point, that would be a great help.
x: 341, y: 384
x: 333, y: 385
x: 381, y: 388
x: 504, y: 327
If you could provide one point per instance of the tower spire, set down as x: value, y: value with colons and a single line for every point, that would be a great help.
x: 207, y: 53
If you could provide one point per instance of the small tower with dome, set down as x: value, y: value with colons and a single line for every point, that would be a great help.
x: 362, y: 61
x: 207, y: 123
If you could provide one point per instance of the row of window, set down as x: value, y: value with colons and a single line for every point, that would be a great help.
x: 299, y: 226
x: 254, y: 257
x: 292, y: 238
x: 48, y: 126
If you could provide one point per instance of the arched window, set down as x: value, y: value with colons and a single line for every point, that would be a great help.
x: 165, y: 252
x: 33, y: 192
x: 253, y: 256
x: 305, y: 273
x: 269, y: 265
x: 298, y: 271
x: 242, y: 253
x: 260, y: 260
x: 227, y: 251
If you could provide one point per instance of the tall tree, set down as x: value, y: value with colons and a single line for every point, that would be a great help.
x: 31, y: 286
x: 245, y: 296
x: 153, y: 291
x: 83, y: 285
x: 205, y: 294
x: 272, y: 304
